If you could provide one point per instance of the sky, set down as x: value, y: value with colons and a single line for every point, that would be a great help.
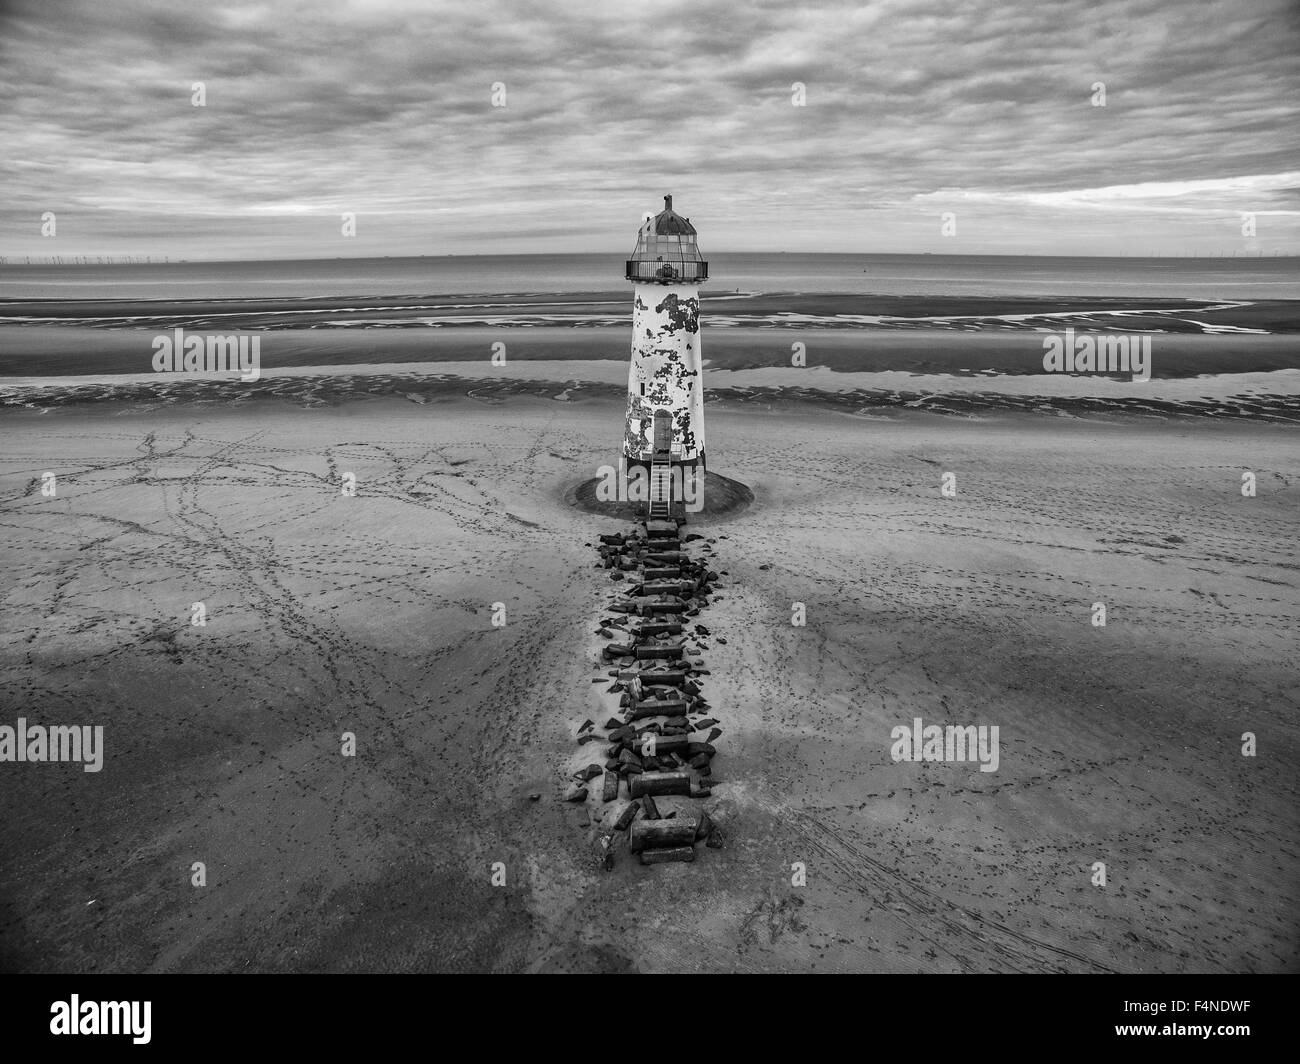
x: 1098, y: 127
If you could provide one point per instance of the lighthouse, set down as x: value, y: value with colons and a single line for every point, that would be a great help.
x: 663, y: 445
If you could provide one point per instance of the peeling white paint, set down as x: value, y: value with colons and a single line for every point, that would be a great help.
x: 665, y: 371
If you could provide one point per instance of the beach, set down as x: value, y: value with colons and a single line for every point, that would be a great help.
x: 340, y: 619
x: 372, y: 615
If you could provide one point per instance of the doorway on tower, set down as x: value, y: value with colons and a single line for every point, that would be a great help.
x: 661, y: 465
x: 662, y: 435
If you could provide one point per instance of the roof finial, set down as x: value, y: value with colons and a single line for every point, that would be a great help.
x: 668, y: 203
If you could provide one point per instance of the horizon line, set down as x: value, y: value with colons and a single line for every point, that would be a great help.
x: 125, y: 260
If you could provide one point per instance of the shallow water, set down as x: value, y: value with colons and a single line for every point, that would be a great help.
x: 1018, y: 275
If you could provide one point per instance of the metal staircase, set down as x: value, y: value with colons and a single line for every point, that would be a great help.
x: 661, y: 488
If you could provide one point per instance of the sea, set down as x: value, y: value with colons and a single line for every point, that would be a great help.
x: 1221, y: 278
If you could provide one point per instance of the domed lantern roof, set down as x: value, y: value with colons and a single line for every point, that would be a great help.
x: 669, y: 223
x: 666, y: 252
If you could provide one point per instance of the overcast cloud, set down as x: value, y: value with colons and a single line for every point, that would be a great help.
x: 384, y: 108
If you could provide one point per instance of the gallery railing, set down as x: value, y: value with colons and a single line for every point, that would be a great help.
x: 667, y: 272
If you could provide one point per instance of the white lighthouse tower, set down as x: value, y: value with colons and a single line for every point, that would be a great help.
x: 663, y: 445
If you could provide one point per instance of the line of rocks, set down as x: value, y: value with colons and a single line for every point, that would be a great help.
x: 654, y: 750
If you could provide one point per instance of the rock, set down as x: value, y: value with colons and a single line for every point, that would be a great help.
x: 534, y: 797
x: 616, y: 576
x: 611, y: 787
x: 586, y: 725
x: 707, y: 722
x: 626, y: 816
x: 661, y: 834
x: 590, y: 772
x: 590, y: 737
x: 714, y: 734
x: 614, y: 722
x: 722, y: 641
x: 649, y: 809
x: 716, y: 839
x: 661, y: 783
x: 765, y: 566
x: 704, y: 827
x: 700, y: 761
x: 667, y: 854
x: 576, y: 793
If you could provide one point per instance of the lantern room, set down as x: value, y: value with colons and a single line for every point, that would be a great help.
x: 666, y: 252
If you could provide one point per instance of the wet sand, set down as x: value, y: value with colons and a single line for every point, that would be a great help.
x: 1271, y: 395
x: 724, y: 309
x: 373, y: 614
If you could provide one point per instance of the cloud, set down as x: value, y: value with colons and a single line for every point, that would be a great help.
x: 1209, y: 195
x: 386, y: 109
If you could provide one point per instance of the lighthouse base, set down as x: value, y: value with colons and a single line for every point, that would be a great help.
x: 664, y: 489
x: 723, y: 498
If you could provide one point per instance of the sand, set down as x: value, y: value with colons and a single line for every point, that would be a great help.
x: 65, y: 351
x: 373, y: 615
